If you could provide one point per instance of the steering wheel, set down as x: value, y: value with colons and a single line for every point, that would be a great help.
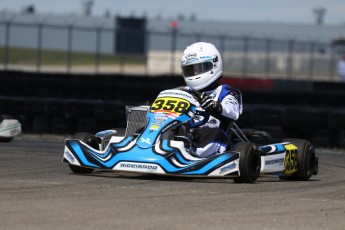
x: 192, y: 91
x: 201, y: 113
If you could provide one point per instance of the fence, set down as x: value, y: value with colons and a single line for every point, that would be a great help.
x: 48, y: 47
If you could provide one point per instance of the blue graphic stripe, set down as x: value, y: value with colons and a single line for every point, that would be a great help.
x: 147, y: 156
x: 123, y: 143
x: 222, y: 158
x: 166, y: 147
x: 280, y: 147
x: 103, y: 156
x: 136, y: 155
x: 182, y: 159
x: 80, y: 154
x: 267, y: 148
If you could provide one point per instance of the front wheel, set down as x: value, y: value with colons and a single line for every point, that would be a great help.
x: 250, y: 162
x: 307, y: 162
x: 90, y: 140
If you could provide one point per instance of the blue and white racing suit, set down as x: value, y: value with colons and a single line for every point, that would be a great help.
x: 213, y: 137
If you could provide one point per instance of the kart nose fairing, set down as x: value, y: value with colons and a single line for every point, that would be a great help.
x: 166, y: 157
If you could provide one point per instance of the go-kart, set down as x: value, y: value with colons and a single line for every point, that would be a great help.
x: 9, y: 128
x: 156, y: 142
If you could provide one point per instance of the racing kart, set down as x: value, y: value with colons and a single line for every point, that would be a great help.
x: 156, y: 142
x: 9, y: 128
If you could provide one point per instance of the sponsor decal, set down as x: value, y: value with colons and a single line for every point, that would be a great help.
x: 154, y: 127
x: 206, y: 57
x: 275, y: 161
x: 227, y: 168
x: 142, y: 166
x: 69, y: 155
x: 191, y: 55
x: 159, y: 118
x: 191, y: 60
x: 169, y: 126
x: 145, y: 140
x: 175, y: 93
x: 158, y: 121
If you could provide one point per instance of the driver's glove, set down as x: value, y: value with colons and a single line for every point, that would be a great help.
x: 209, y: 105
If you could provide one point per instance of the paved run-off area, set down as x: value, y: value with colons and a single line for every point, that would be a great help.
x: 38, y: 191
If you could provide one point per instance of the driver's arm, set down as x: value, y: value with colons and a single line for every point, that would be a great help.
x: 229, y: 107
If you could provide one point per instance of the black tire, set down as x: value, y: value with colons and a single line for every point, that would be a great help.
x: 89, y: 139
x: 250, y: 162
x: 306, y: 160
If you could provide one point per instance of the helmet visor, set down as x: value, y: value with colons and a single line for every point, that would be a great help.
x: 196, y: 69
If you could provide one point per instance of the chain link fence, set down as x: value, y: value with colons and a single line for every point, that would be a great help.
x: 71, y: 48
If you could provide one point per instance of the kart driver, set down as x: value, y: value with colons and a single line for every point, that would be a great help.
x: 202, y: 69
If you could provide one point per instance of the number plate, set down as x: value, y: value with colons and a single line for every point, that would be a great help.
x: 170, y: 105
x: 290, y: 159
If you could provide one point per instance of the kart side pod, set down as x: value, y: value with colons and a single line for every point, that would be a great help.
x: 293, y: 159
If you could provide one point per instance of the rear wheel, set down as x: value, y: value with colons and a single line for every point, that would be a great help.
x: 90, y: 140
x: 306, y: 160
x: 250, y: 162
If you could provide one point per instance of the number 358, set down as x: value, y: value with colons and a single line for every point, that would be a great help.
x: 170, y: 105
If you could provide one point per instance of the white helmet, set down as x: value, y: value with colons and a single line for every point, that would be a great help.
x: 201, y: 65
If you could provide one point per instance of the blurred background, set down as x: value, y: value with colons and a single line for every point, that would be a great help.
x: 277, y: 39
x: 70, y: 66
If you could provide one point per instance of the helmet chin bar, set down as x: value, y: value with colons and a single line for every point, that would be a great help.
x: 198, y: 82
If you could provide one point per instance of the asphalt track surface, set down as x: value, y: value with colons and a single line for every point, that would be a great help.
x: 38, y: 191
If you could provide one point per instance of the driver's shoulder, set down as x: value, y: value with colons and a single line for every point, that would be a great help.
x: 226, y: 90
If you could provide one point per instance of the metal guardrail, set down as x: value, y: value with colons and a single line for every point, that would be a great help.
x: 70, y: 44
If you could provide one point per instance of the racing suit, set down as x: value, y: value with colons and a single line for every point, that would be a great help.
x: 211, y: 138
